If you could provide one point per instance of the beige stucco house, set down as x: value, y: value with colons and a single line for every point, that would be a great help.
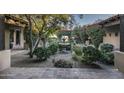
x: 111, y: 27
x: 11, y: 37
x: 114, y: 34
x: 114, y: 27
x: 11, y: 32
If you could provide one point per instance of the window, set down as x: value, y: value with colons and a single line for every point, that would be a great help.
x: 11, y: 36
x: 110, y: 34
x: 116, y: 34
x: 17, y: 37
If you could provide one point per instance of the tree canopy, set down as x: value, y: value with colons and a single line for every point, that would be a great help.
x: 45, y: 25
x: 96, y: 34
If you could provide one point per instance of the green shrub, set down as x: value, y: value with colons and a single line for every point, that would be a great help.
x: 49, y: 52
x: 90, y: 55
x: 107, y: 58
x: 76, y: 57
x: 63, y: 64
x: 77, y: 50
x: 106, y: 47
x: 106, y: 53
x: 53, y: 48
x: 41, y: 53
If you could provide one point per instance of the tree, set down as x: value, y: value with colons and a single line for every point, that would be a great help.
x: 96, y: 34
x: 28, y: 27
x: 30, y: 35
x: 45, y: 25
x: 81, y: 34
x: 49, y: 24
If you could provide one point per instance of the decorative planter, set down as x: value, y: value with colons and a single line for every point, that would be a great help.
x: 119, y: 60
x: 5, y: 56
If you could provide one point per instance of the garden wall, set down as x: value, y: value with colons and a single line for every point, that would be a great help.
x: 5, y: 59
x: 119, y: 60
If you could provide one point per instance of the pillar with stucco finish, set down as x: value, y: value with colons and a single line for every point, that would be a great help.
x: 5, y: 59
x: 7, y: 39
x: 22, y: 38
x: 119, y: 60
x: 14, y: 42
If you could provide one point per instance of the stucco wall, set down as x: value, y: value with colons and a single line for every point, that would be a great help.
x: 115, y: 40
x: 119, y: 60
x: 111, y: 37
x: 7, y: 39
x: 4, y: 59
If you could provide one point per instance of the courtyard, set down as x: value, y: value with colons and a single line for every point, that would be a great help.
x: 54, y: 47
x: 22, y: 67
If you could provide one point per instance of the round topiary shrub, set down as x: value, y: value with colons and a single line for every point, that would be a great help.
x: 53, y: 48
x: 41, y: 53
x: 90, y: 55
x: 106, y: 53
x: 107, y: 58
x: 106, y: 47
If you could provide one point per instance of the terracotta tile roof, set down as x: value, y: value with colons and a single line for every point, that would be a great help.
x: 103, y: 22
x: 110, y: 19
x: 8, y: 16
x: 13, y: 20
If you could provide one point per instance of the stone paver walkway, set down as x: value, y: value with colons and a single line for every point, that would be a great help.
x: 16, y: 52
x: 60, y: 73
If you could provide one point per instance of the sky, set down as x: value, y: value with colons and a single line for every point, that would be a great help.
x: 91, y: 18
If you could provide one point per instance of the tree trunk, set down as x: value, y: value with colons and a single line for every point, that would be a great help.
x: 30, y: 35
x: 36, y: 44
x: 31, y: 45
x: 44, y: 42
